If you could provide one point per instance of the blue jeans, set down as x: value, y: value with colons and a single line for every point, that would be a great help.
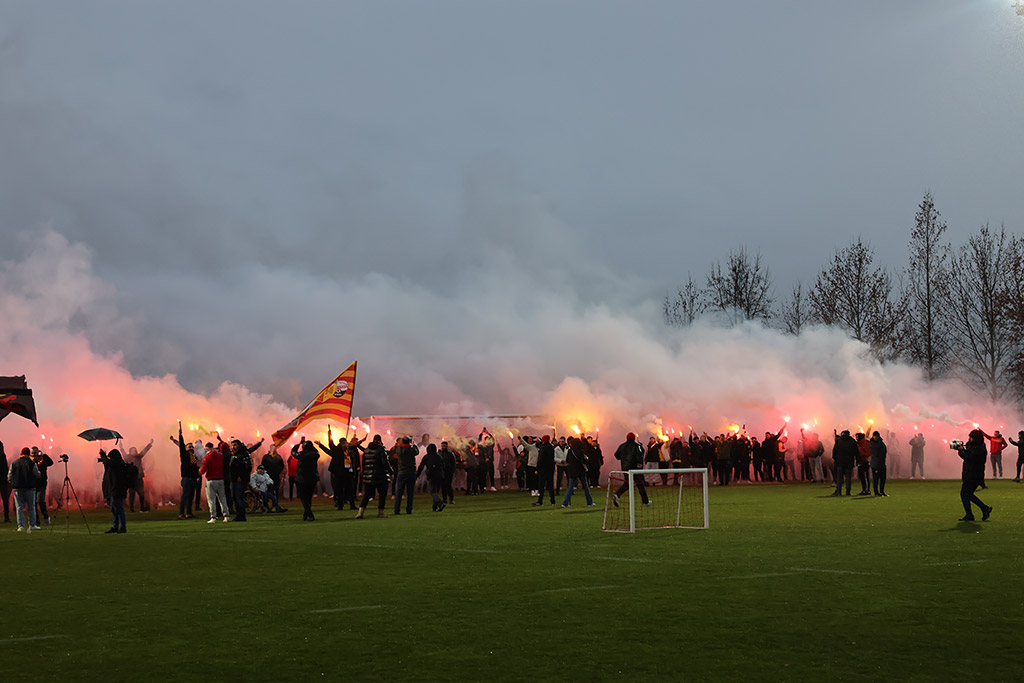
x: 188, y: 492
x: 26, y: 498
x: 571, y: 486
x: 238, y: 489
x: 406, y: 484
x: 117, y: 511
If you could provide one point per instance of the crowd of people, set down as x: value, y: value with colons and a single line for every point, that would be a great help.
x: 353, y: 476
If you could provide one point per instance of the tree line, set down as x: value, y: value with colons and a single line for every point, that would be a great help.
x: 953, y: 310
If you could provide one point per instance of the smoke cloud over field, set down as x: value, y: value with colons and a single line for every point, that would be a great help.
x: 482, y: 347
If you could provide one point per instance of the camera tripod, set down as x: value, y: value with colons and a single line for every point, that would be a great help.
x: 67, y: 490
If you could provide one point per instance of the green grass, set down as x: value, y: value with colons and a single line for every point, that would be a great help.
x: 787, y: 584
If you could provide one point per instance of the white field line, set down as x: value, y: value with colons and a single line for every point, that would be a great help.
x: 28, y: 638
x: 345, y: 609
x: 830, y: 571
x: 622, y: 559
x: 758, y: 576
x: 953, y: 564
x: 472, y: 550
x: 577, y: 588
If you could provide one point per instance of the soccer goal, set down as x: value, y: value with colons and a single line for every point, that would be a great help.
x: 657, y: 499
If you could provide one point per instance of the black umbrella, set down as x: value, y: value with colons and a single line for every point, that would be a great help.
x: 100, y: 434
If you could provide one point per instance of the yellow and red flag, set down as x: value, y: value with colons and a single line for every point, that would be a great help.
x: 334, y: 402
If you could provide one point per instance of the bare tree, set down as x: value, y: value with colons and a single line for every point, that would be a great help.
x: 859, y: 298
x: 742, y: 288
x: 686, y: 306
x: 795, y: 313
x: 983, y: 341
x: 927, y: 285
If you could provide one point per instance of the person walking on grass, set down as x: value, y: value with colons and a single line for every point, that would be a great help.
x: 576, y: 470
x: 631, y: 456
x: 973, y: 453
x: 376, y: 477
x: 431, y: 464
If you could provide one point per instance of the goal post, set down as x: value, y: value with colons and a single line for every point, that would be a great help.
x: 674, y: 498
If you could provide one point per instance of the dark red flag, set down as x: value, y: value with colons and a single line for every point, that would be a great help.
x: 16, y: 397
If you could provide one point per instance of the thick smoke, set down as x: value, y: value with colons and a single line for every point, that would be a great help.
x: 486, y: 348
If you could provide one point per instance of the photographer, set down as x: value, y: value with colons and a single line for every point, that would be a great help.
x: 973, y: 454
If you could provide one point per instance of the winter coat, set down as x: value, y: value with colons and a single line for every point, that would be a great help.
x: 376, y: 468
x: 631, y: 454
x: 845, y: 451
x: 575, y: 461
x: 306, y: 471
x: 878, y: 452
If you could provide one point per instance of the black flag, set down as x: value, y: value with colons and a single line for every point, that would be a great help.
x: 16, y: 397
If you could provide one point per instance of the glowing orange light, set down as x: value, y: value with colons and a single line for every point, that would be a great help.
x: 576, y: 428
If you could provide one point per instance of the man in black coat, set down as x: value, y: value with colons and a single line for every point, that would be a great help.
x: 545, y: 470
x: 448, y: 463
x: 5, y: 486
x: 631, y: 456
x: 845, y: 454
x: 974, y: 455
x: 431, y: 464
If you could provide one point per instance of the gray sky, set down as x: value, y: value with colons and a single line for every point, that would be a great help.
x: 270, y: 190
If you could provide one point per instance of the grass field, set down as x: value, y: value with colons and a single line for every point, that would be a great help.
x: 788, y: 584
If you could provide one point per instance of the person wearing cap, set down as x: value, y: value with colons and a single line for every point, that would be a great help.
x: 43, y: 462
x: 24, y: 478
x: 448, y: 462
x: 264, y: 485
x: 973, y: 453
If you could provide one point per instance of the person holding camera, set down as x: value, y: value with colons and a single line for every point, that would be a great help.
x: 973, y: 453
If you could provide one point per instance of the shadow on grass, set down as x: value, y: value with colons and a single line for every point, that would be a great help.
x: 973, y: 527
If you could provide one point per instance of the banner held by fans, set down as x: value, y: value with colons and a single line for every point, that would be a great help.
x: 334, y: 402
x: 16, y: 397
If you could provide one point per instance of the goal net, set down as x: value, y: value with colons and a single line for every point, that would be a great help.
x: 657, y: 499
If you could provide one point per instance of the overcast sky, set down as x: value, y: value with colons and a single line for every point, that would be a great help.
x: 269, y: 190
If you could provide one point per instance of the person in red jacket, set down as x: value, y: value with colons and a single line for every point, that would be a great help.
x: 293, y: 470
x: 216, y: 498
x: 997, y: 444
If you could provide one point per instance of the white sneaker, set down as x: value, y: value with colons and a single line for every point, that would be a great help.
x: 34, y: 528
x: 212, y: 520
x: 591, y: 505
x: 226, y: 519
x: 648, y: 503
x: 21, y: 528
x: 493, y: 489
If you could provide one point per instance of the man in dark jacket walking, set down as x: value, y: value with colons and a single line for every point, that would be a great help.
x: 974, y: 456
x: 448, y: 463
x: 631, y: 456
x: 576, y: 469
x: 431, y: 464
